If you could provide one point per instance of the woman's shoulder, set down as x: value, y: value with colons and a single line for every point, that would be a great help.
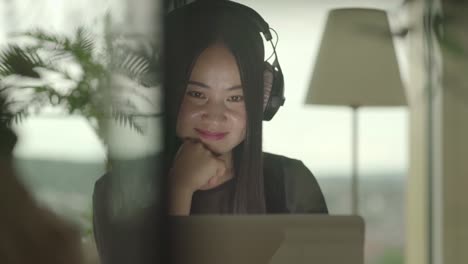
x: 101, y: 187
x: 101, y: 184
x: 273, y: 157
x: 302, y: 192
x: 287, y: 164
x: 141, y: 167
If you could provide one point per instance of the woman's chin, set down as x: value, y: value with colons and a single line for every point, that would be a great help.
x: 217, y: 149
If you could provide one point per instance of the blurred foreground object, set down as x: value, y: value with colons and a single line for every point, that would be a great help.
x: 29, y: 233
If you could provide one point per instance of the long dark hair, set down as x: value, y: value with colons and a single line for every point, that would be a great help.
x: 189, y: 31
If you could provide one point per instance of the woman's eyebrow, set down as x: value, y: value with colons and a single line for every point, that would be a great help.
x: 199, y: 84
x: 203, y: 85
x: 235, y: 87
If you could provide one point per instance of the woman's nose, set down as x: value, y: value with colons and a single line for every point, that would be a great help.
x: 214, y: 111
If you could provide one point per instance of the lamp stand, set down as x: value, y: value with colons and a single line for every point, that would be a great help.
x: 354, y: 179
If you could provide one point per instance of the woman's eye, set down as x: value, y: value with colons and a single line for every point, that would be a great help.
x: 195, y: 94
x: 236, y: 98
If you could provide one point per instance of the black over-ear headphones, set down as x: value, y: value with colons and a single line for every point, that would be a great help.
x: 276, y: 96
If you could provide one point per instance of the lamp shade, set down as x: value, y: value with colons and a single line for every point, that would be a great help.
x: 356, y: 64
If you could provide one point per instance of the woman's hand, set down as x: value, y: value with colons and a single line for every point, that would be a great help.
x: 195, y: 168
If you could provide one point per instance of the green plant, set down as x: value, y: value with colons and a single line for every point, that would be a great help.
x: 87, y: 64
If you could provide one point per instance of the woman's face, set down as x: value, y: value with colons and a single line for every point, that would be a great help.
x: 213, y: 108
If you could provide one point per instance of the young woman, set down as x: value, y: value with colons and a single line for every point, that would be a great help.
x: 217, y: 86
x: 215, y: 83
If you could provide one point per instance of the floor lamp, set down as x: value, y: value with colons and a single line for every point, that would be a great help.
x: 356, y: 66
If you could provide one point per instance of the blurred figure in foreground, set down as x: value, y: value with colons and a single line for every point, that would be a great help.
x: 29, y: 233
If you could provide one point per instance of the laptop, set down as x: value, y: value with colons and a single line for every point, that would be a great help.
x: 268, y: 239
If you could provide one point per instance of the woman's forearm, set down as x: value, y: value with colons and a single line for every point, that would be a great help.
x: 180, y: 202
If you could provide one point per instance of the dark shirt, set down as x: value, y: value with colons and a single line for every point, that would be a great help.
x: 213, y: 201
x: 290, y: 188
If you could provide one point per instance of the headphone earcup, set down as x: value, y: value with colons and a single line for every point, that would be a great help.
x: 268, y: 75
x: 273, y: 90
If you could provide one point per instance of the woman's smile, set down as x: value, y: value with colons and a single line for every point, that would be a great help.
x: 209, y: 135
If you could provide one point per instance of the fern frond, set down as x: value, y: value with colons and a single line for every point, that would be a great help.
x: 82, y: 46
x: 17, y: 60
x: 125, y: 119
x: 84, y: 39
x: 131, y: 65
x: 8, y: 119
x: 43, y: 36
x: 122, y: 111
x: 18, y: 117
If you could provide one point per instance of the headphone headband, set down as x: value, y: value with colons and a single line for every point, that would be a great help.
x: 253, y: 15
